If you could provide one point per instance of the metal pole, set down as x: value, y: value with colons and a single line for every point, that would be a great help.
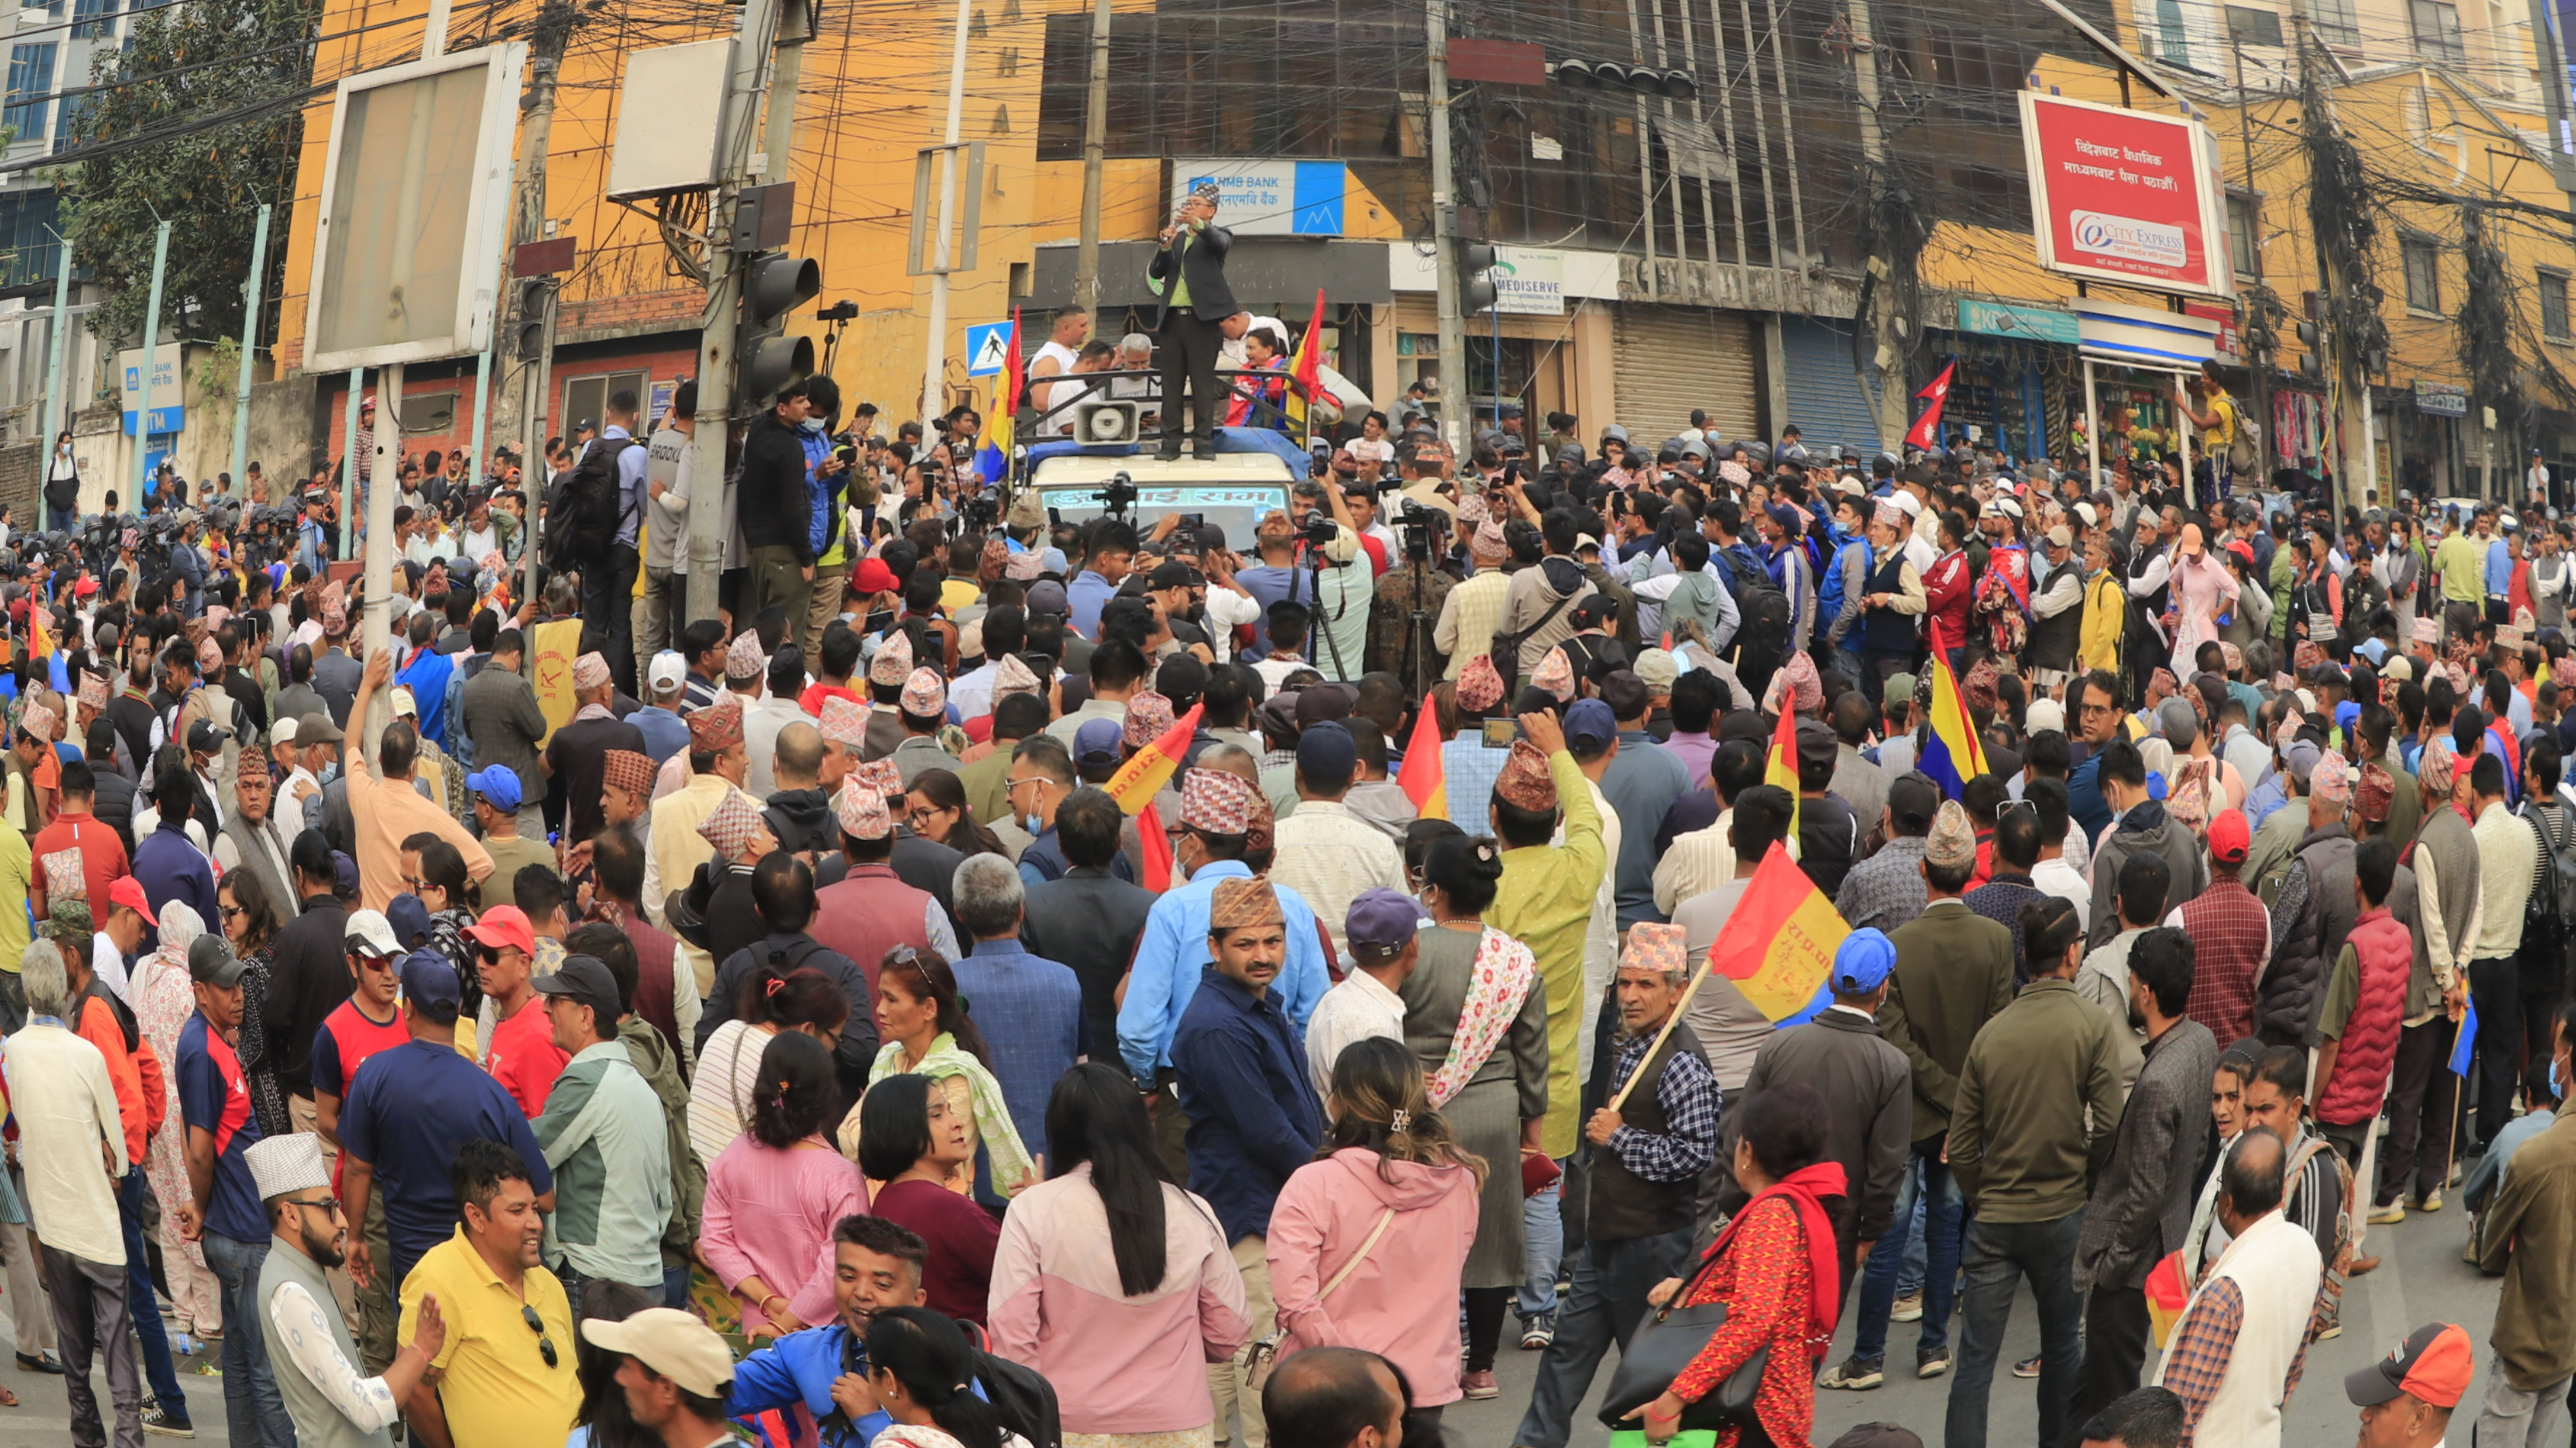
x: 1887, y: 335
x: 787, y: 69
x: 1455, y: 402
x: 2092, y: 428
x: 1095, y: 152
x: 375, y: 626
x: 151, y: 340
x: 935, y: 354
x: 482, y: 407
x: 62, y: 335
x: 349, y: 463
x: 249, y: 346
x: 708, y: 526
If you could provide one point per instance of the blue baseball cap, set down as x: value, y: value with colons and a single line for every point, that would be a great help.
x: 409, y: 919
x: 1590, y: 724
x: 1100, y: 741
x: 1863, y: 962
x: 429, y: 978
x: 1327, y: 751
x: 498, y: 784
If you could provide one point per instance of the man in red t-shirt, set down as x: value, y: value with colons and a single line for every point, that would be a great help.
x: 102, y: 854
x: 367, y: 1022
x: 520, y: 1049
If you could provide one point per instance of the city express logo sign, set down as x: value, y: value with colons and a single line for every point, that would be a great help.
x: 2125, y: 196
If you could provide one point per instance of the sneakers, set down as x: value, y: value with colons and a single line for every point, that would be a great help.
x: 1536, y: 1334
x: 1855, y: 1374
x: 2432, y: 1201
x: 1480, y: 1386
x: 2028, y: 1367
x: 1931, y: 1363
x: 158, y: 1420
x: 1909, y: 1308
x: 2390, y: 1215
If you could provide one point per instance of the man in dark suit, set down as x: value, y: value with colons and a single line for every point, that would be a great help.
x: 1188, y: 272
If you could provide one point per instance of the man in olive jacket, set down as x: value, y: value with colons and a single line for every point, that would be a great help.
x: 2141, y: 1203
x: 2037, y: 1110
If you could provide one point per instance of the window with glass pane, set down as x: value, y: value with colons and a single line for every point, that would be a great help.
x: 31, y: 78
x: 2334, y: 22
x: 2437, y: 31
x: 586, y: 398
x: 2244, y: 215
x: 2423, y: 276
x: 2553, y: 306
x: 93, y: 19
x: 2254, y: 27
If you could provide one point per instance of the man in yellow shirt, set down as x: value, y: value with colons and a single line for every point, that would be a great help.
x: 1546, y: 897
x: 2462, y: 561
x: 505, y: 1373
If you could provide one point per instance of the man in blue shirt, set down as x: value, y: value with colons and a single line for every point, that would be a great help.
x: 608, y: 619
x: 1252, y: 1112
x: 406, y: 1111
x: 1216, y: 819
x: 1112, y: 553
x: 876, y: 1264
x: 1030, y: 1007
x: 226, y: 1218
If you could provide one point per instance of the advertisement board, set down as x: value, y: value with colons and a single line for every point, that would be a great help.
x: 2125, y: 196
x: 1268, y: 198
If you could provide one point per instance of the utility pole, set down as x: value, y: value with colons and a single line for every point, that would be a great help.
x: 787, y: 71
x: 2352, y: 402
x: 935, y: 360
x: 2258, y: 308
x: 523, y: 417
x: 249, y: 346
x: 1095, y: 153
x: 151, y: 342
x: 1454, y: 401
x: 349, y: 463
x: 61, y: 340
x: 1887, y: 326
x: 755, y: 33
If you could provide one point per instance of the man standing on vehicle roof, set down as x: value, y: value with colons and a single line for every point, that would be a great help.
x: 1188, y: 273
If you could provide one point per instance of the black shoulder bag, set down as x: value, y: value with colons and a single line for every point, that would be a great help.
x: 1667, y: 1342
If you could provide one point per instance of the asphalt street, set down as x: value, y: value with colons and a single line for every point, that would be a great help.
x: 2421, y: 1279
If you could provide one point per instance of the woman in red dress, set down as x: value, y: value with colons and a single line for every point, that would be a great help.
x: 1775, y: 1269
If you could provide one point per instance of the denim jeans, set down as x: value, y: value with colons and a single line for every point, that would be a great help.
x: 1943, y: 1219
x: 1544, y: 1231
x: 1909, y: 1278
x: 1999, y: 1255
x: 157, y: 1367
x: 253, y: 1411
x: 1607, y: 1302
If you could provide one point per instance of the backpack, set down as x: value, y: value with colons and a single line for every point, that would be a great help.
x: 2552, y: 905
x: 1762, y: 637
x: 586, y: 509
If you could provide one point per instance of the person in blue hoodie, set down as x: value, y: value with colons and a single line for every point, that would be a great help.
x: 1840, y: 583
x: 827, y: 483
x: 876, y: 1265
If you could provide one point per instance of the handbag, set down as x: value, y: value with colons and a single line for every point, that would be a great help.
x: 1666, y: 1343
x: 1262, y: 1356
x: 1538, y: 1173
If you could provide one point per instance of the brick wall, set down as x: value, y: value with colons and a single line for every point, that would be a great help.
x: 678, y: 307
x: 20, y: 469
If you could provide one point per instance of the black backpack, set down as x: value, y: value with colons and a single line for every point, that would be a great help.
x: 582, y: 519
x: 2552, y: 906
x: 1762, y: 635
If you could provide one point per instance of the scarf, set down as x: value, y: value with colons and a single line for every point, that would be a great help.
x: 1497, y: 984
x: 1012, y: 1168
x: 1806, y: 1189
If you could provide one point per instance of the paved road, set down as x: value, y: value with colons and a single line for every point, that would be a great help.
x: 2422, y: 1279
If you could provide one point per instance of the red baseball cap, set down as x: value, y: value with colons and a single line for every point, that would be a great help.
x: 873, y: 577
x: 2433, y: 1363
x: 128, y: 892
x: 503, y: 926
x: 2229, y: 837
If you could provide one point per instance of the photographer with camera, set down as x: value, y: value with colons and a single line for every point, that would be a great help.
x: 1410, y: 597
x: 1311, y: 558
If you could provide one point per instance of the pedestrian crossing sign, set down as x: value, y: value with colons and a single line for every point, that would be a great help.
x: 988, y: 349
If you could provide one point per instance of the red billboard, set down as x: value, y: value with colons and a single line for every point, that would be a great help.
x: 2125, y: 196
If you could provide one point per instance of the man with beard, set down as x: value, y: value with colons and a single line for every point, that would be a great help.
x: 309, y: 1348
x: 491, y: 1388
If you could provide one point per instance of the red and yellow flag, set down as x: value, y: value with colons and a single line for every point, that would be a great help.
x: 1151, y: 768
x: 1306, y: 371
x: 1156, y: 844
x: 1779, y: 944
x: 1422, y: 778
x: 1782, y: 768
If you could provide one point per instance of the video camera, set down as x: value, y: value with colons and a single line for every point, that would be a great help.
x: 1118, y: 496
x: 1420, y: 526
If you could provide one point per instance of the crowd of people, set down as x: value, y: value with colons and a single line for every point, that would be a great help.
x: 816, y: 1026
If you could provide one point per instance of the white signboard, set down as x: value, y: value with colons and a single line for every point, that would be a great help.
x: 1529, y: 282
x: 169, y: 413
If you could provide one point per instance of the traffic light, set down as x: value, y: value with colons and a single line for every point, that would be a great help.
x: 1476, y: 290
x: 773, y: 285
x: 531, y: 312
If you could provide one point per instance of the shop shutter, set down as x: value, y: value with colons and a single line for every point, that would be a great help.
x: 1673, y: 359
x: 1826, y: 399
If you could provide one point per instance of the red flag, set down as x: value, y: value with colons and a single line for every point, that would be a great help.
x: 1014, y: 376
x: 1424, y: 779
x: 1307, y: 370
x: 1927, y: 429
x: 1152, y: 767
x: 1157, y: 848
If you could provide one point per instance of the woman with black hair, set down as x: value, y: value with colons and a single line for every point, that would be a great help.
x: 1476, y: 1016
x: 1112, y: 1282
x: 923, y: 1022
x: 604, y: 1420
x: 921, y: 1368
x: 775, y: 1193
x: 434, y: 871
x: 724, y: 1096
x: 1775, y: 1268
x: 915, y: 1138
x: 937, y: 803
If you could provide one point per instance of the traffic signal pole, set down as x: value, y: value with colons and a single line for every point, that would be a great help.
x: 750, y: 77
x: 1444, y: 199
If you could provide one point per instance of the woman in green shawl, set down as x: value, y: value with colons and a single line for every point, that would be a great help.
x: 927, y: 1032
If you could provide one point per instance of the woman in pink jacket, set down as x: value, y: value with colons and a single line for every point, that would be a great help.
x: 1116, y: 1285
x: 1367, y: 1243
x: 775, y: 1194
